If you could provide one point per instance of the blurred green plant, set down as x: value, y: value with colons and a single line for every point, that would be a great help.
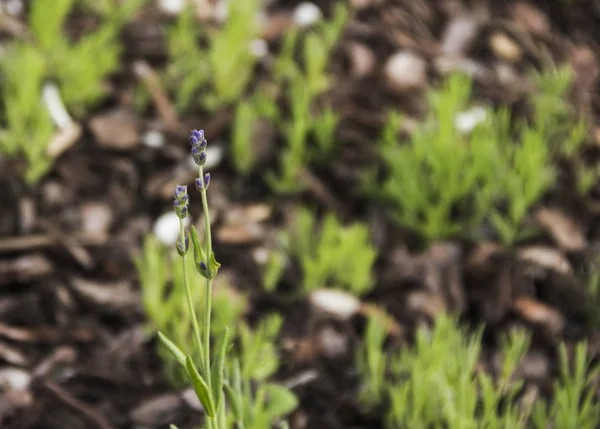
x: 163, y: 296
x: 436, y: 382
x: 372, y: 363
x: 564, y: 131
x: 447, y: 181
x: 207, y: 74
x: 332, y: 254
x: 79, y: 68
x: 28, y: 126
x: 442, y: 387
x: 248, y: 115
x: 574, y: 403
x: 432, y: 179
x: 265, y: 403
x: 304, y: 82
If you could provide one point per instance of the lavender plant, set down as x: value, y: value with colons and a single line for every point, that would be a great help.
x: 207, y: 378
x: 249, y: 409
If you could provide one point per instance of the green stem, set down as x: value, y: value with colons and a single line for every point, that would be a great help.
x: 214, y: 424
x: 188, y: 293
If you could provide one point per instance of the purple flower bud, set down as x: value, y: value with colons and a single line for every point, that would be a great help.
x: 200, y: 159
x: 180, y: 191
x: 198, y: 134
x: 194, y: 140
x: 202, y: 145
x: 199, y: 184
x: 181, y: 201
x: 206, y: 180
x: 202, y: 266
x: 180, y: 248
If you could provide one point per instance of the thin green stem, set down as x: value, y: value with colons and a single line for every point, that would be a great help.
x: 214, y: 424
x: 188, y: 293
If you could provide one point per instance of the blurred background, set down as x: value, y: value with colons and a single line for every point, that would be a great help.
x: 404, y: 200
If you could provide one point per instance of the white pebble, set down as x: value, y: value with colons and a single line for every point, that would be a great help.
x: 405, y: 70
x: 14, y: 7
x: 14, y: 379
x: 307, y: 14
x: 466, y: 121
x: 214, y: 156
x: 166, y: 228
x: 172, y: 7
x: 259, y: 48
x: 154, y: 139
x: 335, y: 302
x: 261, y: 255
x: 221, y: 10
x: 55, y: 105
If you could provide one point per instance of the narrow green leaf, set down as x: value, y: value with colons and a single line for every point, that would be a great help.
x: 234, y: 402
x: 199, y: 255
x: 200, y: 387
x: 218, y: 368
x: 173, y: 349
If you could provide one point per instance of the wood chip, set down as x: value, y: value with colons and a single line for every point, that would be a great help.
x: 531, y: 18
x: 150, y: 78
x: 547, y: 257
x: 157, y: 411
x: 24, y: 269
x: 43, y: 334
x: 362, y: 59
x: 459, y: 34
x: 64, y: 139
x: 567, y: 233
x: 12, y: 355
x: 116, y: 129
x: 506, y: 48
x: 432, y: 305
x: 113, y: 296
x: 539, y: 313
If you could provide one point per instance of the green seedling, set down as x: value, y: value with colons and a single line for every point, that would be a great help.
x: 573, y: 404
x: 248, y: 114
x: 28, y: 128
x: 565, y: 133
x: 338, y: 256
x: 260, y: 409
x: 204, y: 73
x: 372, y: 363
x: 78, y: 67
x: 269, y: 402
x: 436, y: 383
x: 445, y: 182
x: 432, y: 179
x: 304, y: 84
x: 324, y: 127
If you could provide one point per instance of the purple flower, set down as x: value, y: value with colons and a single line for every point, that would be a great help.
x: 181, y: 201
x: 180, y: 248
x: 206, y: 180
x: 199, y: 157
x: 198, y: 134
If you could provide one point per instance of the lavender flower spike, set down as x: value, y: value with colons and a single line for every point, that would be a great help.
x: 199, y: 144
x: 181, y: 201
